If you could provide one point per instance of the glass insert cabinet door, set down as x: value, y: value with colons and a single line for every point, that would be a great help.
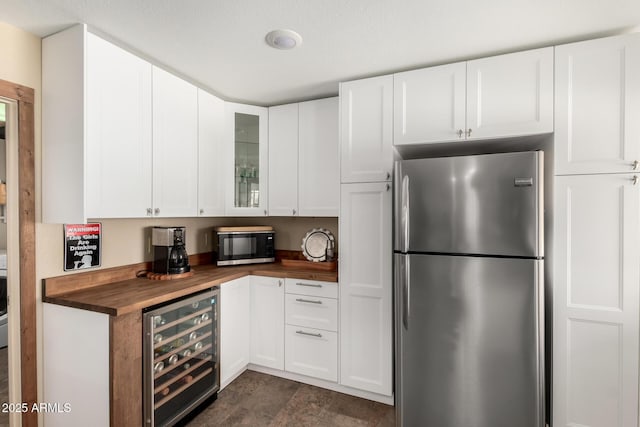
x: 247, y: 145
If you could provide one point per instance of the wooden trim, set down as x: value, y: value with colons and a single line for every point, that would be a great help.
x: 27, y: 234
x: 125, y: 370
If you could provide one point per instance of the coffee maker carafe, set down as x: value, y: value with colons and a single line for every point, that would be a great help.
x: 169, y: 253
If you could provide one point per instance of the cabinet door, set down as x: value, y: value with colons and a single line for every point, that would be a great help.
x: 366, y: 123
x: 118, y: 133
x: 429, y: 104
x: 366, y: 344
x: 312, y: 352
x: 210, y: 155
x: 175, y: 146
x: 234, y: 329
x: 319, y: 158
x: 267, y: 322
x: 510, y: 95
x: 283, y: 160
x: 247, y: 160
x: 596, y: 280
x: 597, y: 106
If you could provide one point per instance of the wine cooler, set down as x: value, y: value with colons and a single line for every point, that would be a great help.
x: 181, y: 357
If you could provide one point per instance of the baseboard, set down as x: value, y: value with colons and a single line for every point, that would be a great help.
x: 387, y: 400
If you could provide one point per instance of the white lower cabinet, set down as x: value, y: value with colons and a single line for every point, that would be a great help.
x: 267, y: 321
x: 596, y: 300
x: 311, y: 333
x: 366, y: 309
x: 312, y: 352
x: 234, y: 329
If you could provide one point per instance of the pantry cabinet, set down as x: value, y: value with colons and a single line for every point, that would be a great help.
x: 597, y: 106
x: 235, y: 329
x: 366, y: 129
x: 304, y: 159
x: 366, y: 340
x: 497, y: 97
x: 247, y: 160
x: 211, y: 116
x: 595, y: 299
x: 175, y: 146
x: 267, y: 322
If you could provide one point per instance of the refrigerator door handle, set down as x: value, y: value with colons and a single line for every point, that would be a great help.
x: 405, y: 213
x: 406, y: 288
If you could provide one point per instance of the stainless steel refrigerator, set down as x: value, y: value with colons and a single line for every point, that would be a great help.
x: 469, y: 294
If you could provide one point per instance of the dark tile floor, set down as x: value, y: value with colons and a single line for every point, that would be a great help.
x: 256, y: 399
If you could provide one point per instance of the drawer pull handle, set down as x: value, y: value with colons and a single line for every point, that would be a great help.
x: 311, y: 285
x: 308, y: 300
x: 309, y: 333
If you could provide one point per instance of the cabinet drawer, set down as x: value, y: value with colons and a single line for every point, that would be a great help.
x: 311, y: 312
x: 311, y: 352
x: 311, y: 287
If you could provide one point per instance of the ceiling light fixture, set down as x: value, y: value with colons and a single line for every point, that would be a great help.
x: 283, y: 39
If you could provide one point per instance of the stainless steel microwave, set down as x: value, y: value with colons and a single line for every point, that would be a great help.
x: 243, y: 245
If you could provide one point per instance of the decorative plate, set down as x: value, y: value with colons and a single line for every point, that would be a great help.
x: 318, y: 245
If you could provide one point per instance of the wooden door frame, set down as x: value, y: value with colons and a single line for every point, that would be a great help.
x: 24, y: 97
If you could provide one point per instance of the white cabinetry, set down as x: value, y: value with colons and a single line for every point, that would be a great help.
x: 366, y: 129
x: 304, y: 159
x: 597, y: 106
x: 210, y: 155
x: 235, y: 315
x: 97, y: 137
x: 366, y: 344
x: 496, y: 97
x: 311, y: 332
x: 267, y: 322
x: 175, y: 146
x: 596, y: 316
x: 247, y: 160
x: 283, y: 160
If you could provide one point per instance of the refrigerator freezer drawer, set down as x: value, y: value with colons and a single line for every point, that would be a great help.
x: 470, y: 352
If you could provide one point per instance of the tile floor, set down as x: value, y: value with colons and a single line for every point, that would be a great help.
x: 256, y: 399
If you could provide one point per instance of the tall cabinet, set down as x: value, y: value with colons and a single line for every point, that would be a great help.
x: 597, y: 233
x: 366, y: 341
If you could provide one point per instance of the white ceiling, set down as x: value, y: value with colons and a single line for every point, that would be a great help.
x: 219, y: 44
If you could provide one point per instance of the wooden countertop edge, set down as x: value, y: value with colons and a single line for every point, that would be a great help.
x: 77, y: 298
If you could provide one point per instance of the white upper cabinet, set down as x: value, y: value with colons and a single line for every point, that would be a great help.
x: 319, y: 158
x: 283, y: 160
x: 596, y: 300
x: 366, y: 129
x: 304, y: 159
x: 247, y: 160
x: 429, y: 104
x: 210, y: 155
x: 497, y: 97
x: 597, y: 106
x: 175, y: 146
x: 97, y: 135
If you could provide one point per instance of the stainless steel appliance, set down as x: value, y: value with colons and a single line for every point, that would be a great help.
x: 244, y: 245
x: 181, y: 357
x: 169, y: 253
x: 468, y: 265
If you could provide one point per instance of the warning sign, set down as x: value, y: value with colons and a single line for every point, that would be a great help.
x: 82, y: 246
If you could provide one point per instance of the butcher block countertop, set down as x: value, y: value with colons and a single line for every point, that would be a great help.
x: 117, y: 291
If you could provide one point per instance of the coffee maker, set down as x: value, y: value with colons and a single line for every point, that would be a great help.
x: 169, y: 253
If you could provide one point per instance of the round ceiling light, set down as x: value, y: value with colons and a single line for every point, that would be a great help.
x: 283, y: 39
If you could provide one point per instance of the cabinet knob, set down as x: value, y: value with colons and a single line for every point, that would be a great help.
x: 294, y: 212
x: 460, y: 132
x: 634, y: 180
x: 388, y: 175
x: 469, y: 133
x: 201, y: 211
x: 149, y: 212
x: 635, y: 165
x: 265, y: 212
x: 157, y: 211
x: 388, y: 187
x: 279, y: 283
